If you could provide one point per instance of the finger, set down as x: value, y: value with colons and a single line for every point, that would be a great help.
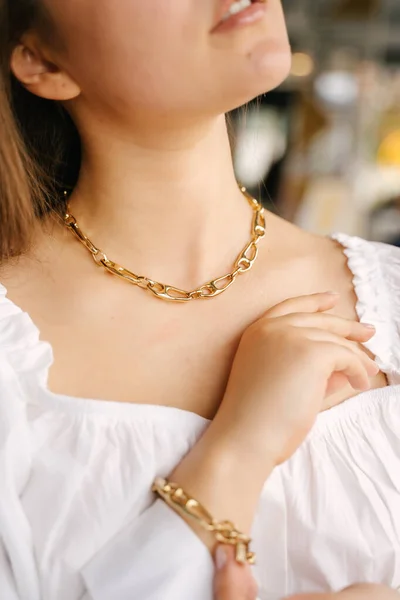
x: 349, y: 363
x: 369, y: 365
x: 346, y: 328
x: 232, y: 581
x: 304, y: 304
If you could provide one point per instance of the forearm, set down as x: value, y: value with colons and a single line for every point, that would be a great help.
x: 220, y: 475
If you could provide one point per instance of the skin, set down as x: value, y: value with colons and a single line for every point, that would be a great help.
x: 144, y: 139
x: 234, y: 582
x: 148, y: 84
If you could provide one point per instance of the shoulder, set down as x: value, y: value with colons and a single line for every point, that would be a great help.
x: 376, y: 276
x: 374, y: 263
x: 27, y: 357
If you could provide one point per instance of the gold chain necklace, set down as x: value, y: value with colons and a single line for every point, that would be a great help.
x: 243, y: 263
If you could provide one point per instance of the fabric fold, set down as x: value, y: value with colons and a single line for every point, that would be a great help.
x: 77, y: 517
x: 376, y: 278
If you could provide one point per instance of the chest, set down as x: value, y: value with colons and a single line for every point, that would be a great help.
x: 172, y: 360
x: 159, y: 358
x: 112, y: 343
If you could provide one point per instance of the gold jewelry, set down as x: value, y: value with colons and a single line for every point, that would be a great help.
x: 224, y: 532
x: 244, y: 262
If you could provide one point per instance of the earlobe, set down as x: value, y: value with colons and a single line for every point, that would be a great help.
x: 41, y: 77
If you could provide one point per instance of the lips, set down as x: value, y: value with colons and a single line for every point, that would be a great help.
x: 224, y: 6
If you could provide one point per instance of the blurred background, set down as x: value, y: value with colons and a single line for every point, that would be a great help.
x: 324, y: 149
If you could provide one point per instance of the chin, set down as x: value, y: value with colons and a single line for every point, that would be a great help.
x: 267, y: 68
x: 269, y: 63
x: 257, y: 59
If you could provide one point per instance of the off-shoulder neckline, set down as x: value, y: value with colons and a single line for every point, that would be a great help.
x: 34, y: 357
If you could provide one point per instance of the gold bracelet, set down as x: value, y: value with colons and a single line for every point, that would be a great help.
x: 224, y: 532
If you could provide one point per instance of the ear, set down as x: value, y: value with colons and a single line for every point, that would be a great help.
x: 39, y: 75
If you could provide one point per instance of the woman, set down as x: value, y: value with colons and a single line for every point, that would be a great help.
x: 107, y: 387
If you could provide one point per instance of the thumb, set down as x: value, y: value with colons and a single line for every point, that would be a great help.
x: 232, y: 580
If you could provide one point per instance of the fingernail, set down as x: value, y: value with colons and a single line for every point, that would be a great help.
x: 368, y: 326
x: 221, y: 558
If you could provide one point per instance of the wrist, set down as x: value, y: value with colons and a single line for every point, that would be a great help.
x: 244, y: 450
x: 217, y: 472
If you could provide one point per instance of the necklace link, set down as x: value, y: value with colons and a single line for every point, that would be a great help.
x: 211, y: 289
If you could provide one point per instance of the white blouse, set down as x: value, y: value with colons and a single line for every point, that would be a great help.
x: 78, y: 520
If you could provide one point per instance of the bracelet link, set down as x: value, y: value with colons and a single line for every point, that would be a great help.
x: 225, y: 532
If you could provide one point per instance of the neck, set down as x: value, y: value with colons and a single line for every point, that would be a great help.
x: 167, y: 207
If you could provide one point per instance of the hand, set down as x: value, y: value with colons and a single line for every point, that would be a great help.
x: 235, y: 582
x: 287, y: 363
x: 232, y: 581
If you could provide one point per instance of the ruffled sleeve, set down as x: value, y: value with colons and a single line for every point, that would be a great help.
x: 155, y: 556
x: 376, y: 270
x: 23, y: 360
